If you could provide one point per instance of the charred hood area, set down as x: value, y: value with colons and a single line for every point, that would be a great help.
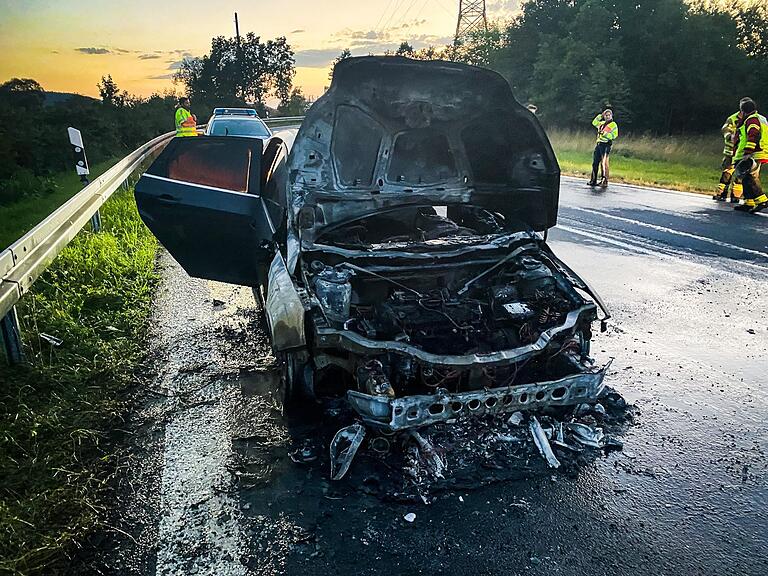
x: 393, y: 131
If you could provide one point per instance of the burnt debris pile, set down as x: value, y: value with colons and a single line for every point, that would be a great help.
x: 419, y: 464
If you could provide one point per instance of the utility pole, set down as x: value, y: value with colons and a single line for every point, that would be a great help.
x: 239, y: 56
x: 471, y: 19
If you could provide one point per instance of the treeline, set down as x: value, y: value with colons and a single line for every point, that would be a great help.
x: 241, y: 72
x: 666, y: 66
x: 33, y: 128
x: 33, y: 133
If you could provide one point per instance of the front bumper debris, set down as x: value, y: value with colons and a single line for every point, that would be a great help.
x: 415, y: 411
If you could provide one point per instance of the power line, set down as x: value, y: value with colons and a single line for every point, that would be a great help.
x: 381, y: 16
x: 421, y: 10
x: 398, y: 5
x: 405, y: 14
x: 443, y: 6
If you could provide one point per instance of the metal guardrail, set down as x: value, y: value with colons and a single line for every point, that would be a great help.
x: 26, y: 259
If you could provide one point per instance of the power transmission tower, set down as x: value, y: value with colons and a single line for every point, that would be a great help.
x: 471, y: 19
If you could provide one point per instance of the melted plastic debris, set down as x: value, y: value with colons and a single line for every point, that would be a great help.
x: 344, y: 446
x: 542, y: 443
x: 418, y: 465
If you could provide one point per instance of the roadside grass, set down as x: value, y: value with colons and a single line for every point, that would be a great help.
x: 20, y: 217
x: 60, y: 411
x: 690, y: 163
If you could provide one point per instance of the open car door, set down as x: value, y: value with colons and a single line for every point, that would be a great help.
x: 201, y: 198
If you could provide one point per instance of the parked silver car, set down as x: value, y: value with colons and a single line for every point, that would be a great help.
x: 237, y: 122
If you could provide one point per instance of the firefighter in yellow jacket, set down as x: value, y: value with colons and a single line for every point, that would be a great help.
x: 727, y: 181
x: 751, y: 153
x: 185, y: 120
x: 607, y: 132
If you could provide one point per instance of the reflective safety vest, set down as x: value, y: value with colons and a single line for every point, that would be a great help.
x: 729, y: 129
x: 183, y: 114
x: 744, y: 147
x: 606, y: 131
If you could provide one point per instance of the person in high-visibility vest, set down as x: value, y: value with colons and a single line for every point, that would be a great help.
x: 727, y: 181
x: 751, y: 153
x: 185, y: 120
x: 607, y: 132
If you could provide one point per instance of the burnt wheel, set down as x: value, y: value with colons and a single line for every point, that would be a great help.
x: 295, y: 378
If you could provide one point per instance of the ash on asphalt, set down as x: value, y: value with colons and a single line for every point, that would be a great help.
x: 687, y: 495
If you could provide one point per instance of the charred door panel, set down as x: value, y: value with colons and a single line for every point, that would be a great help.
x: 201, y: 199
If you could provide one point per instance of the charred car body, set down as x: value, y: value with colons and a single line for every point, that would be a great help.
x: 397, y: 248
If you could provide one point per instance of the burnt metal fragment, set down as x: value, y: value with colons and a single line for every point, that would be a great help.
x: 344, y: 446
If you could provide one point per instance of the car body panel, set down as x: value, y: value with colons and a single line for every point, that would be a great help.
x: 393, y: 131
x: 201, y: 198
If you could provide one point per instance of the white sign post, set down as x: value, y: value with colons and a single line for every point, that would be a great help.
x: 81, y: 167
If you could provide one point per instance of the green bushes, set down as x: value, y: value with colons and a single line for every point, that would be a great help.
x: 34, y: 140
x: 24, y: 184
x: 40, y: 196
x: 58, y: 413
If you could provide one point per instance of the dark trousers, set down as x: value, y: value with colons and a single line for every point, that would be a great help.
x: 602, y: 149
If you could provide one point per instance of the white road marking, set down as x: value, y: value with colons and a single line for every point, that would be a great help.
x: 607, y: 240
x: 200, y: 525
x: 657, y: 253
x: 666, y: 230
x: 629, y: 188
x: 201, y: 529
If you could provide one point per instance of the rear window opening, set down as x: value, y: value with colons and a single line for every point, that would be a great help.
x: 217, y: 166
x: 232, y: 164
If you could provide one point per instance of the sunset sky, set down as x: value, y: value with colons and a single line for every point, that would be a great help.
x: 67, y: 45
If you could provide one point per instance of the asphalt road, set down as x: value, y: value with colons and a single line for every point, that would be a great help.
x: 684, y: 277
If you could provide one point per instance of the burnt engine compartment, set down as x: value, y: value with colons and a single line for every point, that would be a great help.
x: 477, y: 306
x: 518, y: 305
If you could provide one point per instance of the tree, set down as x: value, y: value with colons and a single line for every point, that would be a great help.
x: 295, y: 105
x: 343, y: 56
x: 110, y: 93
x: 247, y: 72
x: 404, y: 49
x: 22, y: 92
x: 665, y: 65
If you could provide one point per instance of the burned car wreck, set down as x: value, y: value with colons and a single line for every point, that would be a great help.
x: 398, y: 246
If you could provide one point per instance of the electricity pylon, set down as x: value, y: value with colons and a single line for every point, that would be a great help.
x: 471, y: 19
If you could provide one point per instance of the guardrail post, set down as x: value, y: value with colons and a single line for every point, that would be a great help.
x: 96, y: 218
x: 10, y: 334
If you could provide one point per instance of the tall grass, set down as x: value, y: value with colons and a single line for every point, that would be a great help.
x: 57, y: 413
x: 680, y: 162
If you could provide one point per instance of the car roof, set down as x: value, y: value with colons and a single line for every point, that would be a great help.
x: 237, y: 118
x: 235, y: 112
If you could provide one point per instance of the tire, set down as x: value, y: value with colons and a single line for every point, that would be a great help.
x: 296, y: 378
